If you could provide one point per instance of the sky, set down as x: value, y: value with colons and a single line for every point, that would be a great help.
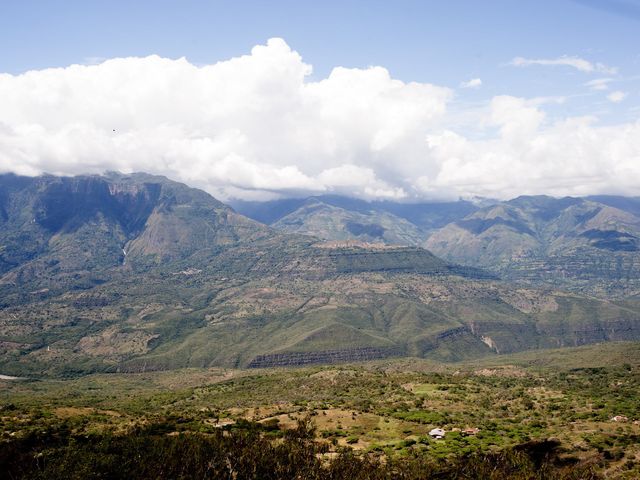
x: 399, y: 100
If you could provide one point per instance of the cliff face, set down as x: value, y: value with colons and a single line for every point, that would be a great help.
x: 65, y: 204
x: 91, y: 225
x: 298, y: 359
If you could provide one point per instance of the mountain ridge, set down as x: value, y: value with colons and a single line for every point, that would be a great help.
x: 535, y: 239
x: 570, y: 242
x: 134, y: 273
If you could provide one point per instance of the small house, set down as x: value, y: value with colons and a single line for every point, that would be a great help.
x: 437, y: 433
x: 620, y: 418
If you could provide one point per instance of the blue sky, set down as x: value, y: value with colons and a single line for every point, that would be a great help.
x: 567, y: 58
x: 436, y: 41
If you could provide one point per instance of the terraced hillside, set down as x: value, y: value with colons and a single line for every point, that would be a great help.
x: 135, y: 273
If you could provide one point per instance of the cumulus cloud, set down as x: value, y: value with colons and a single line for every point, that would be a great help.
x: 617, y: 96
x: 576, y: 62
x: 530, y: 156
x: 250, y: 123
x: 473, y: 83
x: 258, y: 125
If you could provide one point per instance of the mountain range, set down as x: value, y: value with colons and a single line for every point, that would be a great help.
x: 137, y: 272
x: 586, y: 245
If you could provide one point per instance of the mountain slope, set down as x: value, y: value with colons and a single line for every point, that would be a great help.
x: 136, y: 272
x: 334, y: 223
x: 58, y: 232
x: 571, y: 242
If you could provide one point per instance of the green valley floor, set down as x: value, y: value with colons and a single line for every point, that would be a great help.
x: 566, y: 413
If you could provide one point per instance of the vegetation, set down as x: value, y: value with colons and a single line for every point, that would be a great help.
x: 135, y: 273
x: 248, y: 453
x: 537, y: 416
x: 133, y: 306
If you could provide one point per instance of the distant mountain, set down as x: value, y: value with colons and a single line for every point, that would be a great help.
x: 334, y: 223
x: 628, y: 204
x: 335, y: 217
x: 584, y: 244
x: 137, y: 272
x: 425, y: 216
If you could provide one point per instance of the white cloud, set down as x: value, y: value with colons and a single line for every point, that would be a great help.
x: 575, y: 62
x: 599, y: 83
x: 567, y: 157
x: 252, y: 122
x: 257, y: 125
x: 617, y: 96
x: 349, y: 178
x: 473, y: 83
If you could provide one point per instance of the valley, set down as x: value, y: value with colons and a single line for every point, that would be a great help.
x: 562, y: 401
x: 137, y: 309
x: 203, y: 286
x: 338, y: 240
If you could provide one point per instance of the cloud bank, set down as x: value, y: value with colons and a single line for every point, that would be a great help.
x: 257, y: 126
